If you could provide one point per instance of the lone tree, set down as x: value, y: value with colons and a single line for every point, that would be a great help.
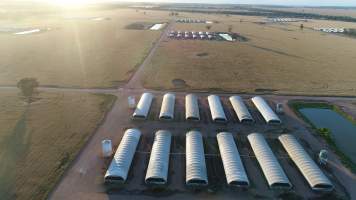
x: 301, y: 26
x: 208, y: 27
x: 230, y: 28
x: 28, y: 87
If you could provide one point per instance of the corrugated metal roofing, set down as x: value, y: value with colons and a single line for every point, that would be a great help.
x: 157, y: 170
x: 167, y: 108
x: 241, y: 109
x: 120, y: 164
x: 272, y: 170
x: 268, y: 114
x: 196, y: 173
x: 312, y: 173
x: 143, y: 106
x: 191, y: 107
x: 216, y: 109
x: 234, y: 169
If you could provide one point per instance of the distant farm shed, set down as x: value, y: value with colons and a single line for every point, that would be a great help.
x: 143, y: 106
x: 191, y: 107
x: 196, y: 173
x: 311, y: 172
x: 120, y: 164
x: 167, y: 108
x: 241, y: 109
x: 272, y: 170
x: 234, y: 170
x: 157, y: 170
x: 216, y: 109
x: 267, y: 113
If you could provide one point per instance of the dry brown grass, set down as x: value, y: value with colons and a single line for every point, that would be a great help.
x: 38, y: 141
x: 280, y: 58
x: 77, y: 53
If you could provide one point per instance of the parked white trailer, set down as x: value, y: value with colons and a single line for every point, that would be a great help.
x: 196, y: 173
x: 121, y: 163
x: 268, y: 162
x: 234, y: 170
x: 157, y: 170
x: 143, y: 106
x: 306, y: 165
x: 267, y: 113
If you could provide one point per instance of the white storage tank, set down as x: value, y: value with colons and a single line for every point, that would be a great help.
x: 132, y: 102
x: 106, y: 148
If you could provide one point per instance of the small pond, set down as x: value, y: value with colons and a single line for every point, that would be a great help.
x: 343, y: 131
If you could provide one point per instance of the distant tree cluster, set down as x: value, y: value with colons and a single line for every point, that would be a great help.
x: 173, y: 14
x: 28, y: 88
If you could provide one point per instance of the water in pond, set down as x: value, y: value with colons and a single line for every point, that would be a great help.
x: 343, y: 131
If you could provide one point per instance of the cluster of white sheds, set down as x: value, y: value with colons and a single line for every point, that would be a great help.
x: 192, y: 35
x: 331, y: 30
x: 188, y: 20
x: 196, y: 171
x: 215, y: 105
x: 285, y: 20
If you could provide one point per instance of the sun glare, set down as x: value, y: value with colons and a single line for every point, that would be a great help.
x: 70, y: 3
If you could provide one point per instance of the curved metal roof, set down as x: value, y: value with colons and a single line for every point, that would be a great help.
x: 157, y: 170
x: 216, y: 109
x: 240, y: 109
x: 143, y: 106
x: 266, y: 111
x: 196, y: 173
x: 234, y: 169
x: 120, y: 164
x: 191, y: 107
x: 167, y: 108
x: 312, y: 173
x: 272, y: 170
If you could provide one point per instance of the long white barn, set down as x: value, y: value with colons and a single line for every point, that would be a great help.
x: 143, y: 106
x: 167, y: 108
x: 216, y: 109
x: 120, y: 164
x: 311, y: 172
x: 191, y: 108
x: 241, y: 110
x: 234, y: 170
x: 268, y: 114
x: 272, y: 170
x: 196, y: 173
x: 157, y: 170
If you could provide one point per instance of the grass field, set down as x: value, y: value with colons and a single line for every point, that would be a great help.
x: 278, y: 58
x: 76, y: 52
x: 38, y: 141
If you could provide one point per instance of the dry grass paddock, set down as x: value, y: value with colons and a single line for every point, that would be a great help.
x: 77, y: 52
x: 278, y: 58
x: 38, y: 141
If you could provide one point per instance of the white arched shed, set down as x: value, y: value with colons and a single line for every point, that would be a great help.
x: 241, y: 110
x: 196, y: 173
x: 216, y: 109
x: 268, y: 114
x: 120, y: 164
x: 272, y: 170
x: 143, y: 106
x: 191, y: 107
x: 157, y: 170
x: 311, y: 172
x: 234, y: 170
x: 167, y: 108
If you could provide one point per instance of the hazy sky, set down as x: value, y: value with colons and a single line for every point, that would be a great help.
x: 271, y: 2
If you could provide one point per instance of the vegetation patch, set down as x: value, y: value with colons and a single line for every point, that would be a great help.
x: 324, y: 132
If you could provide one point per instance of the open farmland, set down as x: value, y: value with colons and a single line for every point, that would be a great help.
x: 277, y: 58
x: 86, y: 49
x: 38, y: 141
